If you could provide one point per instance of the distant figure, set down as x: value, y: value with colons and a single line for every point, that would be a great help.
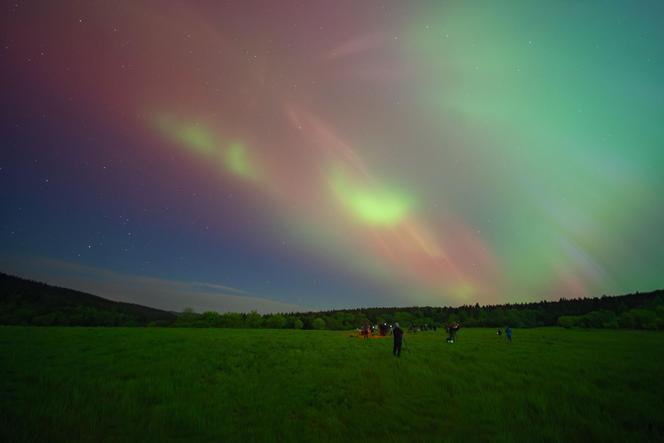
x: 452, y: 330
x: 499, y: 332
x: 383, y: 329
x: 508, y: 334
x: 398, y: 339
x: 365, y: 330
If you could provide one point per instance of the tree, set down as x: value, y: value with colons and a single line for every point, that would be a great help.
x: 333, y: 323
x: 601, y: 319
x: 404, y: 318
x: 318, y: 323
x: 211, y: 319
x: 231, y: 320
x: 644, y: 318
x: 626, y: 320
x: 253, y: 320
x: 276, y: 321
x: 568, y: 321
x: 187, y: 318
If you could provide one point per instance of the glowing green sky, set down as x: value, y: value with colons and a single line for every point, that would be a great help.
x: 561, y: 107
x: 375, y: 207
x: 370, y: 153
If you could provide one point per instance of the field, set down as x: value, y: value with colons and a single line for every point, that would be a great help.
x: 159, y: 384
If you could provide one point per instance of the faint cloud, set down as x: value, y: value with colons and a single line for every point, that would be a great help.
x: 171, y: 295
x: 218, y: 287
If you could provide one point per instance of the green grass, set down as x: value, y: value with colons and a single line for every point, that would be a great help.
x: 153, y: 384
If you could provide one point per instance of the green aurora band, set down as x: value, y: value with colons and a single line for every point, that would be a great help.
x: 376, y: 207
x: 200, y: 140
x: 237, y: 161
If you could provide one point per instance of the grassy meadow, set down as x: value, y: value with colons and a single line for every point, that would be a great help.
x: 220, y: 385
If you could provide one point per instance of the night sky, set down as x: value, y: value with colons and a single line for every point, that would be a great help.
x: 284, y: 155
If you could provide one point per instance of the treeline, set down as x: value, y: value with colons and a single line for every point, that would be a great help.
x: 635, y: 311
x: 648, y: 317
x: 25, y: 302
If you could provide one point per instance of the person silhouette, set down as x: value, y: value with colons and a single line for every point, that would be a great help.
x: 365, y: 330
x: 397, y: 332
x: 452, y: 330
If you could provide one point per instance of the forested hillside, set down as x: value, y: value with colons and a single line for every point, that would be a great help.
x: 32, y: 303
x: 26, y: 302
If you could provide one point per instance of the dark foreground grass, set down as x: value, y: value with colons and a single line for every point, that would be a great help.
x: 80, y: 384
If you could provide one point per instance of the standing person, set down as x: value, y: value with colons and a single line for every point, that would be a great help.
x: 365, y: 330
x: 398, y: 340
x: 383, y: 329
x: 452, y: 330
x: 499, y: 332
x: 508, y: 334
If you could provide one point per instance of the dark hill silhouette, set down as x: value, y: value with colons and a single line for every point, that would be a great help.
x: 33, y: 303
x: 26, y: 302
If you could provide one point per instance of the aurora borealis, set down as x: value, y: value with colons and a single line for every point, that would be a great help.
x: 335, y: 154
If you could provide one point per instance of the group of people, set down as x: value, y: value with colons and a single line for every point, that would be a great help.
x: 452, y: 330
x: 395, y: 330
x: 369, y: 330
x: 398, y: 334
x: 508, y: 333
